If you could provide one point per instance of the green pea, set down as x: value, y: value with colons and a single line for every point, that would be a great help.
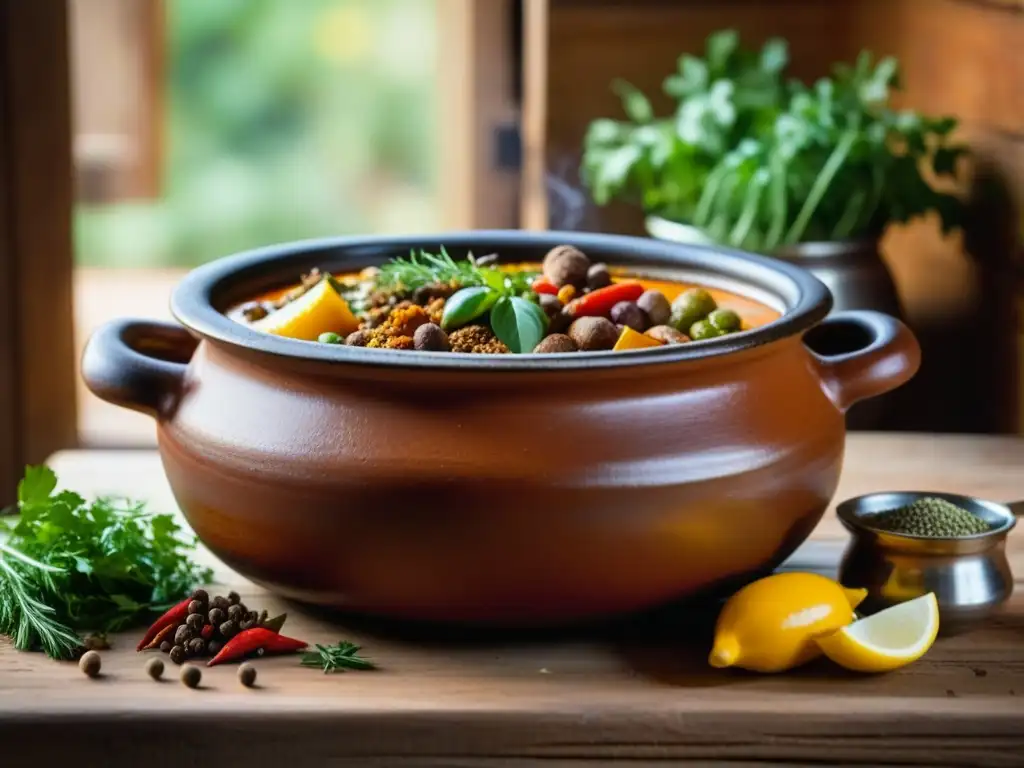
x: 690, y: 306
x: 330, y: 338
x: 724, y: 320
x: 702, y: 329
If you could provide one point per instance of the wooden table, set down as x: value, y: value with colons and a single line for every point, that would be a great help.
x: 636, y: 694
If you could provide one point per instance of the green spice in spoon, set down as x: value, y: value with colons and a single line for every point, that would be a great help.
x: 935, y: 518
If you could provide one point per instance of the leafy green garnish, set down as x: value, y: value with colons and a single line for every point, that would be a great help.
x: 68, y: 566
x: 466, y: 305
x: 336, y: 658
x: 423, y: 268
x: 758, y: 161
x: 519, y: 323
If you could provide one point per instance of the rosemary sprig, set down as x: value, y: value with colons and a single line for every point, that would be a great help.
x: 423, y: 268
x: 30, y: 622
x: 336, y: 658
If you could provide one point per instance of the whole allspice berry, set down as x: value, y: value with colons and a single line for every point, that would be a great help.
x: 228, y: 629
x: 221, y: 602
x: 656, y: 306
x: 216, y: 616
x: 213, y: 647
x: 165, y: 646
x: 191, y: 675
x: 194, y: 621
x: 90, y: 664
x: 592, y: 334
x: 196, y: 647
x: 247, y: 675
x: 430, y: 338
x: 566, y: 265
x: 236, y: 613
x: 598, y: 276
x: 182, y: 634
x: 666, y: 334
x: 155, y: 668
x: 628, y: 313
x: 551, y: 305
x: 358, y: 338
x: 196, y: 607
x: 201, y: 595
x: 234, y: 598
x: 555, y: 343
x: 178, y: 654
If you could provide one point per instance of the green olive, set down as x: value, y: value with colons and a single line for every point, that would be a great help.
x: 330, y: 338
x: 725, y: 320
x: 702, y: 329
x: 690, y: 306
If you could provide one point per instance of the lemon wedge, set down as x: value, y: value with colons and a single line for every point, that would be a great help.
x: 888, y: 640
x: 318, y: 310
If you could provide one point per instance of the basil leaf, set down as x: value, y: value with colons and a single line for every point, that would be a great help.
x: 519, y: 323
x: 493, y: 278
x: 467, y: 304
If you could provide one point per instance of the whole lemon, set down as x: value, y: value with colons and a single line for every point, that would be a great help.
x: 769, y: 625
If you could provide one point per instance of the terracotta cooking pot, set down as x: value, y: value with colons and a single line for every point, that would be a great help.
x: 505, y: 489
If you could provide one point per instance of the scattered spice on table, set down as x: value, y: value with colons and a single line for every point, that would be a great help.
x: 247, y: 675
x: 931, y: 517
x: 336, y: 658
x: 191, y: 676
x: 90, y: 664
x: 201, y: 626
x: 155, y: 668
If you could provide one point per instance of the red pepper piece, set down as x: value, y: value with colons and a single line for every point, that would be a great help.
x: 543, y: 285
x: 173, y: 618
x: 162, y: 635
x: 599, y: 303
x: 255, y: 639
x: 206, y: 632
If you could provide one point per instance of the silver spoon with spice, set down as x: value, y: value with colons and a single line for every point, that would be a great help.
x: 907, y: 543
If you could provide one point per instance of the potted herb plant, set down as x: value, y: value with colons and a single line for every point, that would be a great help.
x: 754, y: 160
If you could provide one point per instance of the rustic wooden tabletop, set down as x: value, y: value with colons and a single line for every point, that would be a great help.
x: 632, y: 693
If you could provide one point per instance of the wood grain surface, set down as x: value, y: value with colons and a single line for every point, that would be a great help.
x: 632, y: 693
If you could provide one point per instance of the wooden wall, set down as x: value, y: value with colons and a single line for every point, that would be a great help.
x: 960, y: 57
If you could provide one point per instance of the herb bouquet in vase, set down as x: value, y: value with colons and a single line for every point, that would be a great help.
x: 756, y: 161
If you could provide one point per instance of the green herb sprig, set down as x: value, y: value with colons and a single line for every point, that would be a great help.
x: 336, y: 658
x: 68, y: 566
x: 758, y: 161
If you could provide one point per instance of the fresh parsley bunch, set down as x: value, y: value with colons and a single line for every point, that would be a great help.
x: 68, y: 566
x: 758, y: 161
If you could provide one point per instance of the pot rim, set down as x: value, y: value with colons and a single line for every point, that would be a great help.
x: 200, y: 300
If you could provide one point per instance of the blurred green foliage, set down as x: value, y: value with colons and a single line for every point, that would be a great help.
x: 284, y: 120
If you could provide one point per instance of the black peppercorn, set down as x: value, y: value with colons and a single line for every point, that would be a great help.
x: 598, y: 277
x: 234, y: 598
x: 155, y: 668
x: 182, y: 634
x: 247, y: 675
x: 195, y: 607
x: 191, y: 676
x: 216, y: 616
x: 166, y: 646
x: 178, y: 654
x: 628, y: 313
x: 221, y: 602
x: 236, y: 613
x: 194, y: 621
x: 201, y: 595
x: 228, y: 629
x: 196, y: 646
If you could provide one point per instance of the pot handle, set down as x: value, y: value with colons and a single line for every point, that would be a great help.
x: 138, y: 364
x: 861, y: 354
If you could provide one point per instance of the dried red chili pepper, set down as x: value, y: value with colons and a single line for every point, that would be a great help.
x: 163, y: 634
x: 599, y: 303
x: 543, y: 285
x: 206, y: 632
x: 173, y: 617
x: 256, y: 639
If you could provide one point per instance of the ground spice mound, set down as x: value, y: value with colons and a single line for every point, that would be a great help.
x: 935, y: 518
x: 478, y: 339
x: 396, y: 332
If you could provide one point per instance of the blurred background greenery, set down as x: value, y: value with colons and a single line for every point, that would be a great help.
x: 284, y: 120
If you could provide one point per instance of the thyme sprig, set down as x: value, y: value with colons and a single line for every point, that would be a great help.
x: 424, y: 268
x: 336, y: 658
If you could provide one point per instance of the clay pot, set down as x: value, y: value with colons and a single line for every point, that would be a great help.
x: 509, y: 489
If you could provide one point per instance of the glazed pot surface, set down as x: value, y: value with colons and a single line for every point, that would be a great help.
x: 514, y: 491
